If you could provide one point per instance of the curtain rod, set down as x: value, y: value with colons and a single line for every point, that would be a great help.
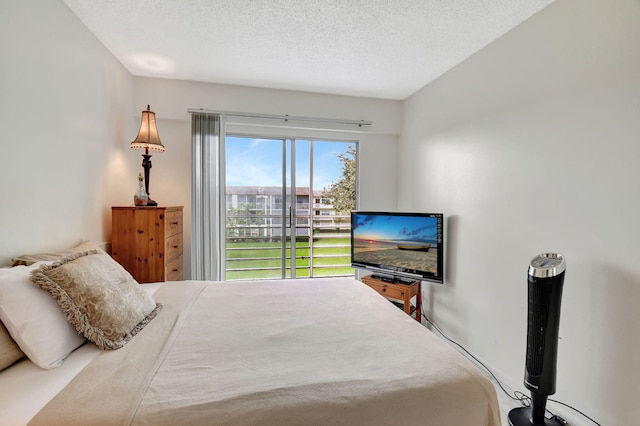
x: 285, y: 117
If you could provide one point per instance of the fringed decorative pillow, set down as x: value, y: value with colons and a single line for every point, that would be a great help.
x: 99, y: 297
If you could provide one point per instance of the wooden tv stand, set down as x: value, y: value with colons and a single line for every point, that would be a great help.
x: 399, y: 291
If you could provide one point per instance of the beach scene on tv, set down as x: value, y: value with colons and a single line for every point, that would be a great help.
x: 408, y: 242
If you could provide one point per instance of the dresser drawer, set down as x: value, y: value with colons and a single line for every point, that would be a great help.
x: 173, y: 246
x: 173, y: 270
x: 173, y: 222
x: 391, y: 291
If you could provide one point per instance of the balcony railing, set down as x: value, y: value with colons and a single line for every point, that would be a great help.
x: 255, y: 247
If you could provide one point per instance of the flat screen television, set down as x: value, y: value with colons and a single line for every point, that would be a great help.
x: 399, y: 247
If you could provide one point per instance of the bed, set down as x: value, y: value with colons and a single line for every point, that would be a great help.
x: 275, y: 352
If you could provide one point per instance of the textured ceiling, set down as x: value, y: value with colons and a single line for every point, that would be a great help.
x: 375, y: 48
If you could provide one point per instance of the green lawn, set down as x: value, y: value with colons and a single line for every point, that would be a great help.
x: 263, y: 258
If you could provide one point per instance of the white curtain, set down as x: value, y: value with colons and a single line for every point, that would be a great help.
x: 207, y: 148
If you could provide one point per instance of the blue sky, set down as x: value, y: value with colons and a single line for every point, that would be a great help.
x: 258, y: 162
x: 396, y: 228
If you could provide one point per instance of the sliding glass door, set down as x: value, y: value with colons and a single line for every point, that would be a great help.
x: 281, y: 221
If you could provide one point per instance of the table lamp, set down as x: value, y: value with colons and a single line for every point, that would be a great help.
x: 148, y: 140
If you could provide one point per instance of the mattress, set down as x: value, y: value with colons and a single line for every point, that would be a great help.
x: 317, y: 351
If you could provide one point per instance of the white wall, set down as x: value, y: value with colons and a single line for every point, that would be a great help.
x: 529, y: 146
x: 532, y: 145
x: 170, y: 100
x: 65, y: 124
x: 69, y: 109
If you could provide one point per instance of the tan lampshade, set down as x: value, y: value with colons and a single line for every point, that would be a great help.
x: 148, y: 137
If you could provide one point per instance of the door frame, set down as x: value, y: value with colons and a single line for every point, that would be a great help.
x: 289, y: 217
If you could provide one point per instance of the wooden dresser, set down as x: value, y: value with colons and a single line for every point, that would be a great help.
x: 147, y: 242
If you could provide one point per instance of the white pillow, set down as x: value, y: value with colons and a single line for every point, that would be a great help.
x: 34, y: 319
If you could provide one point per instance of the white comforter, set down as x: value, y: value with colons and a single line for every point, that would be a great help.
x: 322, y: 351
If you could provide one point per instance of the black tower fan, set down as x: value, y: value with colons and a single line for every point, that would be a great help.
x: 546, y: 277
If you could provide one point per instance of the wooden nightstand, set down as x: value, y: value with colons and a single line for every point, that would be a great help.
x: 399, y: 292
x: 147, y: 242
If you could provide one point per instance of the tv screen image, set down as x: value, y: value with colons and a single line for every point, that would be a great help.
x: 399, y: 245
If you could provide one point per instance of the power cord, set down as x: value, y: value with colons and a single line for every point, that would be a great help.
x: 517, y: 395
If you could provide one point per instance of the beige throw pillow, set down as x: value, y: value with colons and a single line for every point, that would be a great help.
x: 9, y: 350
x: 30, y: 259
x: 99, y: 297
